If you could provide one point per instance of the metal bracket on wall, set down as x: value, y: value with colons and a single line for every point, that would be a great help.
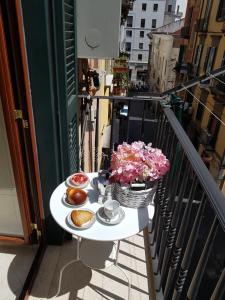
x: 35, y: 227
x: 18, y: 115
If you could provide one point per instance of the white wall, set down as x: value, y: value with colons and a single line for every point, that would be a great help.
x: 98, y: 28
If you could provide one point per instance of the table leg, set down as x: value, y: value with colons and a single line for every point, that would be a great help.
x: 78, y: 247
x: 117, y: 253
x: 69, y: 263
x: 125, y: 273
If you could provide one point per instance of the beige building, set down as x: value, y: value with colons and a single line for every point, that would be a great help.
x: 103, y: 68
x: 164, y: 52
x: 163, y: 60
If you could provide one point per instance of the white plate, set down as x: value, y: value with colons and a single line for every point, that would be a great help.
x: 64, y: 201
x: 80, y: 186
x: 116, y: 220
x: 86, y: 225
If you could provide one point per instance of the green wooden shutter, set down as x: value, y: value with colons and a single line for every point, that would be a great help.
x: 71, y: 80
x: 66, y: 61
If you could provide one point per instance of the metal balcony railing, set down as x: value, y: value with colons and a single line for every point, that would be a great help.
x: 217, y: 87
x: 187, y: 237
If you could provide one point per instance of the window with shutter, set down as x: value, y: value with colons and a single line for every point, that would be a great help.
x: 154, y: 23
x: 129, y: 21
x: 221, y: 11
x: 198, y: 58
x: 207, y: 58
x: 142, y: 23
x: 206, y: 16
x: 210, y: 58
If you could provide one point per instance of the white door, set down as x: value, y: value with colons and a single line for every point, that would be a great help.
x: 10, y: 218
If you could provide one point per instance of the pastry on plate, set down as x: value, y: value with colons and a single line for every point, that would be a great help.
x: 76, y: 196
x: 81, y: 217
x: 79, y: 179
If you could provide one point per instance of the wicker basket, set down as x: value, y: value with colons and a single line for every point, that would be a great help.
x: 131, y: 198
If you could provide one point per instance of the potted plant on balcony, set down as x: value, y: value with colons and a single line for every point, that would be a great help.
x: 135, y: 170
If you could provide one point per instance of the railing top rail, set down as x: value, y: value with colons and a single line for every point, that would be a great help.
x: 210, y: 187
x: 149, y: 97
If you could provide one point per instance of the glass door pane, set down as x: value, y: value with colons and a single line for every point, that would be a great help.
x: 10, y: 218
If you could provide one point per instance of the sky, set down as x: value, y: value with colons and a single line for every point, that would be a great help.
x: 183, y: 4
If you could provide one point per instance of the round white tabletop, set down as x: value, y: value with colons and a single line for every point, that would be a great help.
x: 135, y: 220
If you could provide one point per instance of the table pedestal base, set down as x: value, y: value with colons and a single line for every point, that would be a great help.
x: 96, y: 255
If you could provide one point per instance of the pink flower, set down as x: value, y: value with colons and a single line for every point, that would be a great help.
x: 138, y: 162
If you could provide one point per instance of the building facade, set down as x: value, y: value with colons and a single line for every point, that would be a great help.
x: 170, y: 12
x: 205, y: 52
x: 165, y: 45
x: 145, y: 16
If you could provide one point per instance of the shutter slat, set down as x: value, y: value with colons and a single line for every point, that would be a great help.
x: 68, y: 5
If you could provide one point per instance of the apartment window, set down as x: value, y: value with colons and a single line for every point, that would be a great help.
x: 209, y: 60
x: 207, y: 9
x: 140, y: 45
x: 200, y: 112
x: 213, y: 128
x: 139, y: 56
x: 155, y: 7
x: 142, y: 34
x: 144, y: 6
x: 170, y: 8
x: 128, y: 47
x: 129, y: 21
x: 142, y: 23
x: 197, y: 60
x: 129, y: 33
x: 221, y: 11
x: 153, y: 23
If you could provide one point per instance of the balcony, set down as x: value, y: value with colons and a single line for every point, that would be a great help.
x: 186, y: 239
x: 181, y: 254
x: 217, y: 88
x: 201, y: 25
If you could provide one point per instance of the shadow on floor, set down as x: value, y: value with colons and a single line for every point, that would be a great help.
x: 82, y: 283
x: 15, y: 262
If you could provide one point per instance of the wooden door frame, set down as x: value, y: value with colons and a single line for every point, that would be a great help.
x: 13, y: 128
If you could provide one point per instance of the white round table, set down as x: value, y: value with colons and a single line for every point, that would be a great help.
x: 135, y: 220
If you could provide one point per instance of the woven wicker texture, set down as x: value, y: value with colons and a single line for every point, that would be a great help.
x: 130, y: 198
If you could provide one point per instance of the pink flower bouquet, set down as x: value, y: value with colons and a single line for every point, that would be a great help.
x: 137, y: 162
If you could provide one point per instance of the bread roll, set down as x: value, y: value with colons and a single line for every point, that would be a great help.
x: 76, y: 196
x: 81, y: 217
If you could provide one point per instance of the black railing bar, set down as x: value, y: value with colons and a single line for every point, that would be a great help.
x: 200, y: 269
x: 96, y: 135
x: 84, y: 125
x: 128, y: 123
x: 112, y: 128
x: 90, y: 137
x: 206, y: 180
x: 218, y: 293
